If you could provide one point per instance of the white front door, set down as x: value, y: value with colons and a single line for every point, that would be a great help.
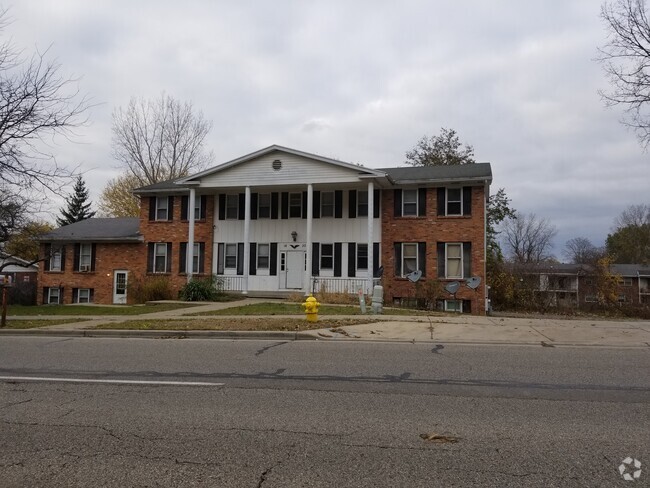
x: 295, y: 269
x: 119, y: 287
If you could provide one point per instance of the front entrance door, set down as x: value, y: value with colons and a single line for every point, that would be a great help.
x: 295, y: 269
x: 119, y: 287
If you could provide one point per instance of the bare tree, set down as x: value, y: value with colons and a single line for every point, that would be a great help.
x: 37, y: 103
x: 625, y: 58
x: 634, y: 215
x: 441, y: 150
x: 529, y: 239
x: 158, y: 140
x: 580, y: 250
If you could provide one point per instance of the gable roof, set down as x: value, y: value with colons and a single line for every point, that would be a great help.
x: 21, y: 265
x: 433, y: 174
x: 121, y: 229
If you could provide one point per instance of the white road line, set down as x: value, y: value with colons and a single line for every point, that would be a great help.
x: 119, y: 382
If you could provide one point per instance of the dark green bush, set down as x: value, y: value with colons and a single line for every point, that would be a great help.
x: 201, y: 290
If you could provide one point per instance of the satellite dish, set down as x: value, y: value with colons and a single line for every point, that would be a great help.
x: 380, y: 272
x: 452, y: 287
x: 414, y: 276
x: 473, y: 282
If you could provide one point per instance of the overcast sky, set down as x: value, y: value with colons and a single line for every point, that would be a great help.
x: 362, y: 81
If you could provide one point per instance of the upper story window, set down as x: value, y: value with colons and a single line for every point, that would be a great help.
x: 409, y: 203
x: 362, y: 203
x: 232, y: 206
x: 55, y: 259
x: 85, y: 257
x: 295, y: 205
x: 264, y: 206
x: 162, y: 208
x: 454, y: 202
x: 327, y: 204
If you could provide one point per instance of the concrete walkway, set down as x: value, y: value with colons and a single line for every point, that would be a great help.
x: 435, y: 328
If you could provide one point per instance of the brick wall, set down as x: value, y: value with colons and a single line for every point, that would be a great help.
x: 433, y: 229
x: 108, y: 257
x: 176, y: 231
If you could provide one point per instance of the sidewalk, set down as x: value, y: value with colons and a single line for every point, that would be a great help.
x: 463, y: 329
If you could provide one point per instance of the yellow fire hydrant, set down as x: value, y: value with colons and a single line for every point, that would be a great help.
x: 311, y: 309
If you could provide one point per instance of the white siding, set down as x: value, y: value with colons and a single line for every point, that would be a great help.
x: 295, y: 170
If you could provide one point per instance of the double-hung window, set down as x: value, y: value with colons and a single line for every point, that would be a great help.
x: 362, y: 203
x: 83, y: 295
x: 454, y: 260
x: 54, y: 295
x: 263, y: 253
x: 264, y: 206
x: 362, y: 256
x: 232, y: 206
x: 55, y: 260
x: 409, y: 257
x: 327, y: 256
x: 295, y: 205
x: 327, y: 204
x: 85, y: 256
x: 409, y: 203
x: 162, y: 208
x: 160, y: 257
x: 231, y: 256
x: 454, y: 201
x: 196, y: 256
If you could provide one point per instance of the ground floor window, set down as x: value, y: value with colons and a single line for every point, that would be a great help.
x: 455, y: 306
x: 82, y: 295
x: 231, y: 256
x: 53, y: 295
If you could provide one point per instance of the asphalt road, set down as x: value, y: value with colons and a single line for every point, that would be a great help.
x: 279, y: 414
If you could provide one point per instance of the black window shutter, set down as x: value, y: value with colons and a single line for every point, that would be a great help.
x: 398, y: 203
x: 184, y: 203
x: 337, y: 258
x: 93, y: 256
x: 304, y: 204
x: 467, y: 259
x: 338, y: 204
x: 91, y: 298
x: 422, y: 257
x: 352, y: 258
x: 75, y: 295
x: 274, y: 205
x: 77, y: 250
x: 222, y: 206
x: 169, y: 257
x: 352, y: 204
x: 375, y: 259
x: 467, y: 306
x: 48, y: 253
x: 242, y: 206
x: 240, y: 258
x: 284, y: 207
x: 253, y: 206
x: 182, y: 261
x: 316, y: 210
x: 273, y: 259
x: 201, y: 257
x: 422, y: 202
x: 376, y: 204
x: 252, y: 264
x: 467, y: 200
x: 61, y: 296
x: 315, y: 258
x: 220, y: 258
x: 46, y: 292
x: 398, y: 258
x: 150, y: 257
x: 204, y: 207
x: 170, y: 208
x: 441, y: 201
x: 62, y: 258
x: 441, y: 259
x: 152, y: 208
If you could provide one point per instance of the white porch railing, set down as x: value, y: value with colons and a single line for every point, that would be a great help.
x: 230, y: 283
x: 341, y: 285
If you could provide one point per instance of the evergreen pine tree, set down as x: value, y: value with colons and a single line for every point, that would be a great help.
x: 78, y: 206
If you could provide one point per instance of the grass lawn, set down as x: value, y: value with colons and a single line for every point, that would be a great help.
x: 33, y: 324
x: 21, y: 310
x: 296, y: 309
x: 243, y: 323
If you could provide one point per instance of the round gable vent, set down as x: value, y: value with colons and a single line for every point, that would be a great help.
x: 277, y: 165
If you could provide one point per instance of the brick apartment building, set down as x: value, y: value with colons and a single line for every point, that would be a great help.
x: 280, y: 220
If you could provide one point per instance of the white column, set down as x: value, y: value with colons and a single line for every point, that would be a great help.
x: 310, y: 213
x: 190, y: 235
x: 371, y: 213
x: 247, y: 229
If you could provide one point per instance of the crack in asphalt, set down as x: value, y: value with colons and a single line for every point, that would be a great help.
x: 13, y: 404
x: 266, y: 348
